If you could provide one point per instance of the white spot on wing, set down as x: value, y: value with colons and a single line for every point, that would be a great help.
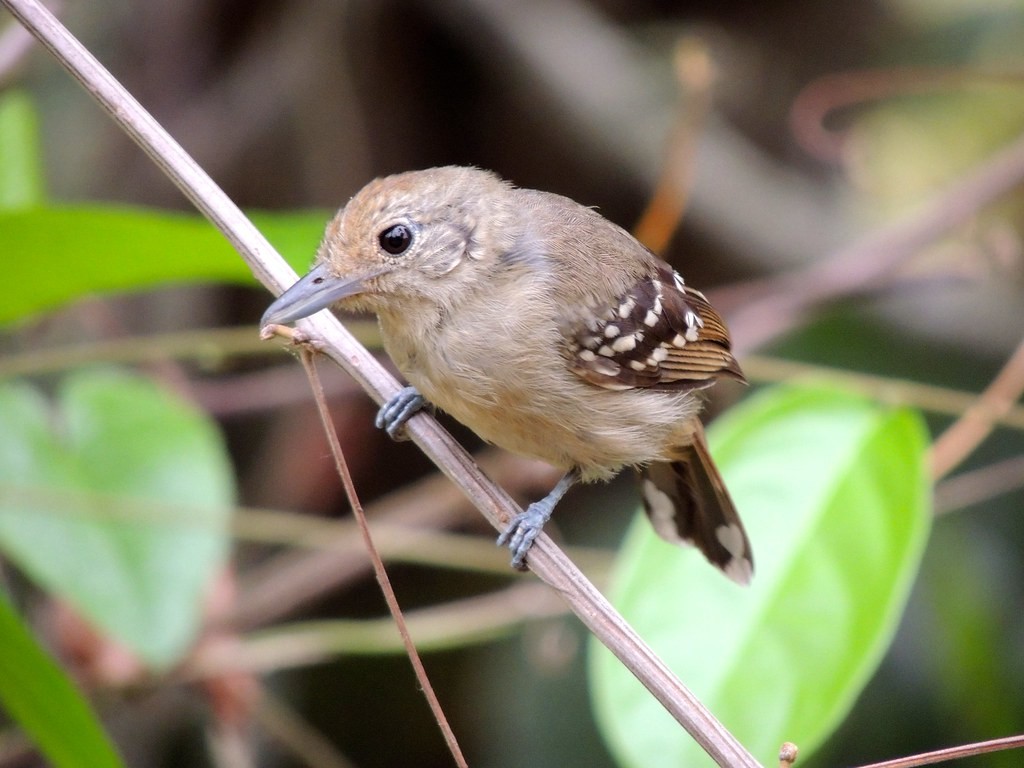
x: 693, y: 325
x: 662, y: 512
x: 624, y: 343
x: 731, y: 537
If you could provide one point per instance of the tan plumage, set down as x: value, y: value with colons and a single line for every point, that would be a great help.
x: 543, y: 327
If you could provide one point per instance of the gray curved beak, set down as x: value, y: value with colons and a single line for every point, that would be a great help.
x: 318, y: 290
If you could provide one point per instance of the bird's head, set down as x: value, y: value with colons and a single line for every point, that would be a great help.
x: 404, y: 242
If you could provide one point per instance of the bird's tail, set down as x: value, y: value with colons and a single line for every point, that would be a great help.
x: 687, y: 502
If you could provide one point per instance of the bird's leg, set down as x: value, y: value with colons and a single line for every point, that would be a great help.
x: 527, y: 525
x: 399, y: 409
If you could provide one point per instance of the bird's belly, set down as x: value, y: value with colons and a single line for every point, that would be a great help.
x: 535, y: 406
x: 573, y: 424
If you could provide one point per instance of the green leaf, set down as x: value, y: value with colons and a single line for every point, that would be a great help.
x: 834, y: 491
x: 55, y: 255
x: 21, y: 165
x: 118, y: 501
x: 41, y: 699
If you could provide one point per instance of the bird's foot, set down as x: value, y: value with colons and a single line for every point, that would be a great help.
x: 523, y: 529
x: 393, y: 415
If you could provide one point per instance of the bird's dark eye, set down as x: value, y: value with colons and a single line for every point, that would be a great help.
x: 395, y: 239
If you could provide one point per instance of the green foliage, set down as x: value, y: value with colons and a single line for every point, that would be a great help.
x: 115, y: 496
x: 21, y: 172
x: 55, y: 255
x: 967, y: 611
x: 835, y: 493
x: 51, y: 710
x: 912, y: 146
x: 117, y: 499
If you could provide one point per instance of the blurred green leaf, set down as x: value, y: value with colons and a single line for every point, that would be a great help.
x: 908, y: 148
x: 118, y: 501
x: 970, y: 599
x: 43, y: 701
x: 21, y: 165
x: 835, y: 494
x: 55, y: 255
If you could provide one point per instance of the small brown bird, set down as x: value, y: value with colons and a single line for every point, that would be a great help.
x: 544, y: 328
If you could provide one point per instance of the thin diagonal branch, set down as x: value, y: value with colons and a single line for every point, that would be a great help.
x: 952, y: 753
x: 546, y: 559
x: 341, y: 466
x: 764, y: 309
x: 959, y: 441
x: 695, y: 75
x: 289, y: 729
x: 966, y: 489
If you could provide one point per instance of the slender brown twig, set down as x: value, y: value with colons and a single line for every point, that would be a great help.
x: 292, y: 732
x: 951, y: 753
x: 925, y: 397
x: 694, y: 73
x: 288, y: 581
x: 975, y: 486
x: 966, y: 433
x: 761, y: 310
x: 840, y: 90
x: 546, y: 559
x: 456, y: 624
x: 306, y: 355
x: 194, y: 344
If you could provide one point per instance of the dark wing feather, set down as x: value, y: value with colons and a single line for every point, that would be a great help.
x: 660, y: 334
x: 687, y: 503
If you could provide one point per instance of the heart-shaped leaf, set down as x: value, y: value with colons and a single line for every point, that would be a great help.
x: 117, y: 499
x: 834, y: 491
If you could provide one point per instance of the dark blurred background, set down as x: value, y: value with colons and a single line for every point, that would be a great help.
x: 297, y: 105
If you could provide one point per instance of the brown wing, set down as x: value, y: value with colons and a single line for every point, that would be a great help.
x: 661, y: 333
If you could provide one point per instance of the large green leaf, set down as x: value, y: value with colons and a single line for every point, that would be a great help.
x: 54, y: 255
x: 118, y: 501
x: 835, y: 494
x: 41, y: 699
